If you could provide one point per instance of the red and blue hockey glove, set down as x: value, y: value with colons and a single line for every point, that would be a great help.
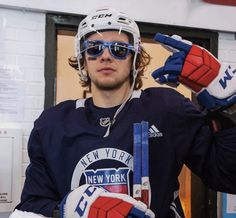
x: 197, y: 69
x: 88, y: 201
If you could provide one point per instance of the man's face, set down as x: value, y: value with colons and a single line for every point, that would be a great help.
x: 105, y: 71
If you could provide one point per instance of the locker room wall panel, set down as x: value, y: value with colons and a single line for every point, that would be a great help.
x: 10, y: 168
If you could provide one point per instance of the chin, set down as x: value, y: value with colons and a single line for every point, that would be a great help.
x: 109, y: 85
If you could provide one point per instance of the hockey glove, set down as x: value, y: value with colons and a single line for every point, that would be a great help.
x: 197, y: 69
x: 88, y: 201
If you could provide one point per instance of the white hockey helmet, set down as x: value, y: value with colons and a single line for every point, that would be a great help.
x: 104, y: 19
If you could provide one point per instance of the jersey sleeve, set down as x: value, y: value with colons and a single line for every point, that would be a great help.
x: 38, y: 195
x: 211, y: 155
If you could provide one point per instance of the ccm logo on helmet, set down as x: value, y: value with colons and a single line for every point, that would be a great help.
x: 101, y: 16
x: 83, y: 202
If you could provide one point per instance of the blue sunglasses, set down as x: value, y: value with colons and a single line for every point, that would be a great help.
x: 118, y: 50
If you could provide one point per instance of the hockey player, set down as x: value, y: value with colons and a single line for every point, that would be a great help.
x: 81, y: 152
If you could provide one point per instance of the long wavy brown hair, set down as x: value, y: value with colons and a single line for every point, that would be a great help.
x: 143, y: 59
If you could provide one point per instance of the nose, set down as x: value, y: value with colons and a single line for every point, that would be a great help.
x: 106, y: 55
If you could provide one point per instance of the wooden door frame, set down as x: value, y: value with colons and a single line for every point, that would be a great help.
x: 203, y: 200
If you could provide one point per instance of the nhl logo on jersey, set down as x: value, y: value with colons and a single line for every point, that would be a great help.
x: 105, y: 121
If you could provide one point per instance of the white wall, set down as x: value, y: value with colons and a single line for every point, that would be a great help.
x: 193, y: 13
x: 227, y: 47
x: 22, y: 41
x: 22, y: 35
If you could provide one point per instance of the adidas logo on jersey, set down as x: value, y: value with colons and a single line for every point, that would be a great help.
x: 154, y: 132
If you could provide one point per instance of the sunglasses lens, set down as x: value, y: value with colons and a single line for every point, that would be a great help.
x: 119, y: 50
x: 95, y: 48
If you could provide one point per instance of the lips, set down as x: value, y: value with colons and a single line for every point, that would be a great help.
x: 106, y: 70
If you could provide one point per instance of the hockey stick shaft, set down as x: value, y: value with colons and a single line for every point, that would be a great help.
x: 145, y: 164
x: 137, y: 164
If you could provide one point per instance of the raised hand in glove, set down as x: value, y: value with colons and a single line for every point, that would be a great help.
x: 88, y: 201
x: 197, y: 69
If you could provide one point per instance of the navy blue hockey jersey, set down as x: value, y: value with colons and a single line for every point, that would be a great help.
x: 67, y: 149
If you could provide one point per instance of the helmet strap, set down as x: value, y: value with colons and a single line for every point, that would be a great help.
x: 134, y: 73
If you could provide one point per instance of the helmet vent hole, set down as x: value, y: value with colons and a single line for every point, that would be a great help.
x: 109, y: 23
x: 84, y: 25
x: 123, y: 20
